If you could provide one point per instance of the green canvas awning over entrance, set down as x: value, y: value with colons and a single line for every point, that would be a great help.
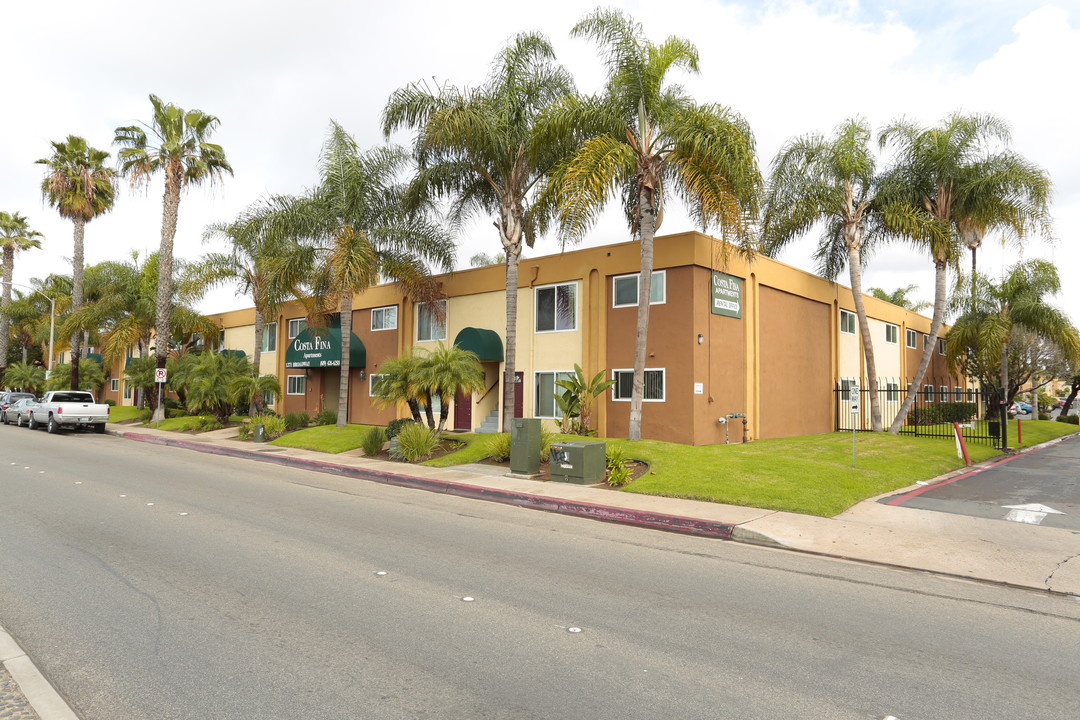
x: 319, y: 348
x: 234, y: 353
x: 485, y: 343
x: 96, y: 357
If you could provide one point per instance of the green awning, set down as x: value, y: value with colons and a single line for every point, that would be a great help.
x: 321, y: 347
x: 96, y: 357
x: 485, y: 343
x: 234, y: 353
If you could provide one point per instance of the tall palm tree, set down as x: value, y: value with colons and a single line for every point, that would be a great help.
x: 480, y: 149
x: 643, y: 136
x: 15, y: 236
x: 360, y: 230
x: 899, y: 297
x: 950, y: 174
x: 81, y: 188
x: 181, y: 149
x: 268, y: 272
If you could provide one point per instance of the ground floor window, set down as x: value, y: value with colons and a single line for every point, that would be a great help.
x: 624, y: 385
x: 944, y: 393
x: 546, y: 390
x: 268, y: 399
x: 928, y: 393
x: 845, y: 388
x: 127, y: 391
x: 296, y: 385
x: 373, y: 385
x: 958, y: 394
x: 892, y: 392
x: 114, y: 384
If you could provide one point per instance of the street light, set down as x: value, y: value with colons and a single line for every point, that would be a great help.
x: 52, y: 315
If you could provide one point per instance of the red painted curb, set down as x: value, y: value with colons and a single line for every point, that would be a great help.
x: 607, y: 513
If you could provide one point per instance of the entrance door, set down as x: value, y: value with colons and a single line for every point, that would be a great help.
x: 463, y: 412
x: 331, y: 386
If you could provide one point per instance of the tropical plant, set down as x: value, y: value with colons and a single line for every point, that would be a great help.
x: 373, y: 441
x: 15, y: 236
x: 397, y: 384
x: 139, y: 372
x: 297, y: 419
x: 415, y: 442
x: 480, y: 149
x: 583, y: 393
x: 643, y: 136
x: 498, y: 447
x: 956, y: 176
x: 443, y: 373
x: 899, y: 297
x: 360, y: 231
x: 25, y: 377
x: 181, y: 149
x: 326, y: 416
x: 91, y: 376
x: 483, y: 259
x: 250, y: 389
x: 211, y: 388
x: 81, y: 188
x: 394, y: 427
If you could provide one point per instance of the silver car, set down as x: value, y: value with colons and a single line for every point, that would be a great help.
x: 20, y: 412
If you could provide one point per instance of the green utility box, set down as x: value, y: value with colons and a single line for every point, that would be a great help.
x: 258, y: 432
x: 582, y: 462
x: 525, y: 446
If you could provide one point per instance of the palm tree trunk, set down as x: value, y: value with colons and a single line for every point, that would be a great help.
x: 5, y: 321
x: 444, y: 411
x: 163, y: 309
x: 260, y: 324
x: 77, y: 298
x: 513, y: 258
x: 346, y: 336
x: 648, y: 231
x: 855, y: 271
x: 1006, y: 399
x: 940, y: 268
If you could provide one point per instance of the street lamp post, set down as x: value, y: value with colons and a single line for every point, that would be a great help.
x: 52, y: 315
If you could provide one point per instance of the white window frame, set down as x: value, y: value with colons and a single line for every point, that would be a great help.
x: 383, y: 310
x: 911, y: 339
x: 928, y: 393
x: 845, y: 388
x: 555, y: 321
x: 637, y: 288
x: 269, y: 399
x: 958, y: 394
x: 294, y: 327
x: 941, y: 346
x: 892, y: 392
x: 293, y: 381
x: 943, y: 393
x: 854, y: 321
x: 269, y: 338
x: 536, y: 392
x: 127, y: 391
x: 446, y: 320
x: 114, y: 385
x: 615, y: 388
x: 895, y: 333
x: 371, y: 383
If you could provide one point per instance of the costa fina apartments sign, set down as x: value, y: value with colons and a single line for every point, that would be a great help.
x: 323, y: 350
x: 726, y: 295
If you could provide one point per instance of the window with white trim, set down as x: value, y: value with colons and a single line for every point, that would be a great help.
x: 892, y: 392
x: 556, y: 307
x: 624, y: 385
x: 847, y: 322
x: 971, y: 394
x: 928, y: 393
x: 892, y: 333
x: 958, y: 394
x: 546, y: 390
x: 296, y: 384
x: 845, y: 389
x: 269, y: 338
x: 373, y: 384
x: 941, y: 346
x: 268, y: 398
x: 297, y: 326
x: 384, y: 318
x: 912, y: 338
x: 624, y: 289
x: 944, y: 393
x: 430, y: 321
x: 127, y: 391
x: 114, y: 384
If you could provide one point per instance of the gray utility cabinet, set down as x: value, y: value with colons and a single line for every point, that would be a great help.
x: 583, y: 462
x: 525, y: 446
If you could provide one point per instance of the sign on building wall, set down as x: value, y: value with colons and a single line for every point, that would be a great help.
x: 726, y: 295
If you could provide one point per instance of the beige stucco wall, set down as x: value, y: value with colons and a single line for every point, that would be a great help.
x: 886, y: 355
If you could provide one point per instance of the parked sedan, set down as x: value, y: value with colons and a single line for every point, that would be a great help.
x: 8, y: 399
x: 21, y: 411
x: 1021, y: 408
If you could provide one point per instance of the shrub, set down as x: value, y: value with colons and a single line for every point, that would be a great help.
x: 946, y: 412
x: 415, y: 442
x: 145, y: 414
x: 499, y: 447
x: 394, y: 427
x: 616, y: 456
x: 173, y: 404
x: 245, y: 431
x: 1070, y: 419
x: 296, y: 420
x: 175, y: 412
x: 618, y: 476
x: 373, y: 441
x: 326, y: 417
x: 546, y: 438
x: 110, y: 403
x: 273, y: 426
x: 1044, y: 416
x: 208, y: 423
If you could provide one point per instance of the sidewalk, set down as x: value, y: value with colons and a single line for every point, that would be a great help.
x: 1015, y: 554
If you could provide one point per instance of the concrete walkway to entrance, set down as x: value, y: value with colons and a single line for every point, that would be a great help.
x: 1016, y: 554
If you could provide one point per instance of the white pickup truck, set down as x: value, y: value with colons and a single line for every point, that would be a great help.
x: 69, y: 408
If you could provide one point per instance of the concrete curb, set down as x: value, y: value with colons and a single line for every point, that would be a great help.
x: 43, y: 697
x: 607, y: 513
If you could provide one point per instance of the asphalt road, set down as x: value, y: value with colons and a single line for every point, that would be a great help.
x: 1049, y: 477
x: 263, y: 601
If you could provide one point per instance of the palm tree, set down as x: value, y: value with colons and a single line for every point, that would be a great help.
x: 398, y: 385
x: 480, y: 149
x: 832, y: 181
x: 15, y: 235
x: 91, y: 376
x: 446, y: 371
x: 81, y: 188
x: 181, y: 149
x: 268, y: 272
x: 950, y: 174
x: 357, y: 224
x: 643, y: 136
x: 899, y: 297
x: 25, y: 376
x: 980, y: 339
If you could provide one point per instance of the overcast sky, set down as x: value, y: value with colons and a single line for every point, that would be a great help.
x: 275, y: 73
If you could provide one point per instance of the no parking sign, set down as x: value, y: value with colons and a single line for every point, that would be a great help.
x: 161, y: 375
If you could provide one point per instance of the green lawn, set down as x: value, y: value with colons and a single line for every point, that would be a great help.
x: 183, y: 423
x: 325, y: 438
x: 122, y: 413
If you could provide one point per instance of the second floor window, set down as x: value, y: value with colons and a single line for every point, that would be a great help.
x: 556, y: 308
x: 297, y: 326
x: 892, y: 334
x: 384, y: 318
x: 847, y: 322
x: 625, y: 289
x: 431, y: 321
x: 269, y: 340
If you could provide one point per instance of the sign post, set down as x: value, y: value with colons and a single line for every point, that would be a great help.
x: 854, y: 397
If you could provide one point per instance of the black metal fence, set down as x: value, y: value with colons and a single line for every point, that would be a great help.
x: 931, y: 415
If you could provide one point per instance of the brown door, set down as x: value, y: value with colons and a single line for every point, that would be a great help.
x: 519, y: 394
x: 463, y: 412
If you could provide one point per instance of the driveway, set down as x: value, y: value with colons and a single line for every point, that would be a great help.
x: 1040, y: 487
